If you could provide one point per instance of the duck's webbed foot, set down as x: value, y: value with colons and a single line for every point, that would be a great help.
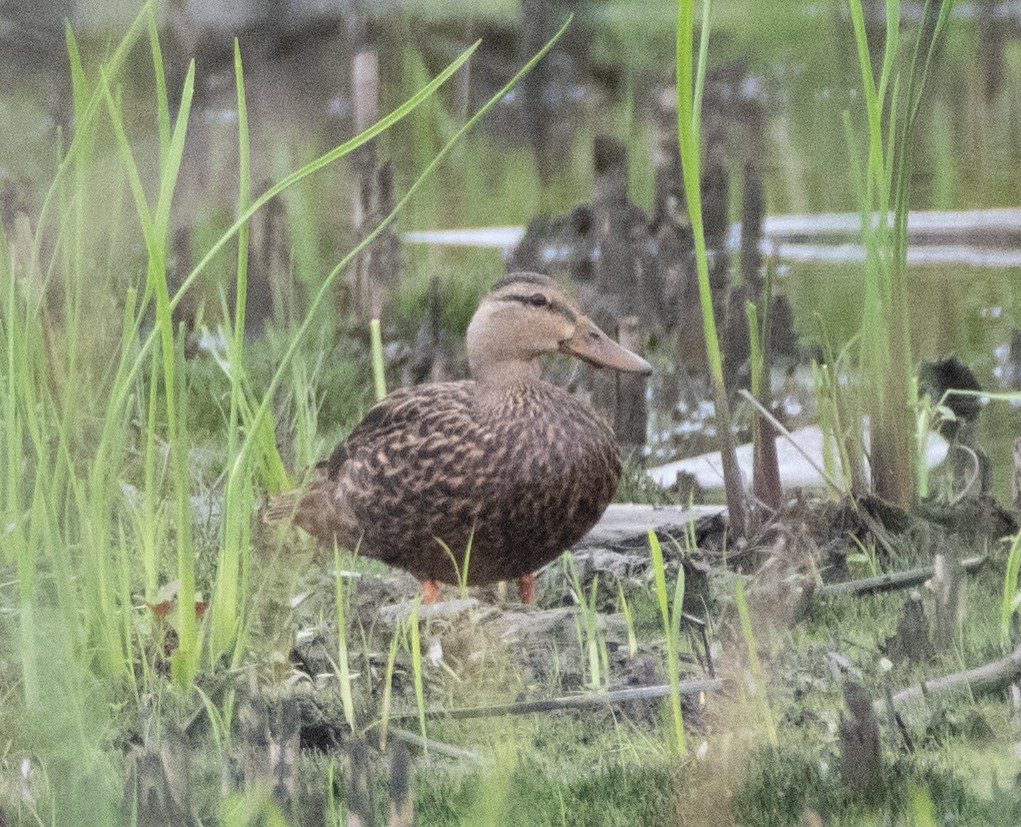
x: 430, y: 592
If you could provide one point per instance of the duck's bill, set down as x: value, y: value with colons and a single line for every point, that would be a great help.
x: 591, y: 345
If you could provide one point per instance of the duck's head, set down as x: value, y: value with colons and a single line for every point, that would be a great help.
x: 526, y: 315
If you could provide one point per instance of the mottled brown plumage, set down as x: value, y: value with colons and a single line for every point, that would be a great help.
x: 507, y: 461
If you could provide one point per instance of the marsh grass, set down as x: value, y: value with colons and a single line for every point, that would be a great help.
x: 591, y: 642
x: 91, y: 536
x: 670, y: 614
x: 892, y: 103
x: 415, y: 646
x: 866, y: 555
x: 629, y: 620
x: 388, y: 679
x: 754, y: 666
x: 342, y: 599
x: 766, y: 483
x: 689, y: 128
x: 102, y: 471
x: 840, y: 412
x: 462, y: 566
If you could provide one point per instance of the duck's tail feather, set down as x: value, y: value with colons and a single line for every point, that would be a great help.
x: 315, y: 508
x: 283, y: 507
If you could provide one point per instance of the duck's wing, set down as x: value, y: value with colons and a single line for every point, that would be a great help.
x: 395, y: 426
x: 406, y: 412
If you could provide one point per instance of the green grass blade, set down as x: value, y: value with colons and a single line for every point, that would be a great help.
x: 328, y: 158
x: 83, y: 126
x: 79, y: 83
x: 671, y: 640
x: 703, y: 55
x: 689, y: 143
x: 162, y: 102
x: 130, y: 167
x: 344, y: 673
x: 753, y: 657
x: 171, y: 167
x: 388, y: 682
x: 1010, y: 590
x: 415, y: 645
x: 241, y: 282
x: 229, y: 600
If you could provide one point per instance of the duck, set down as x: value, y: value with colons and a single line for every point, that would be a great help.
x: 480, y: 480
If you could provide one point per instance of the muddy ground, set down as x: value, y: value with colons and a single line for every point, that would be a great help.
x: 836, y: 695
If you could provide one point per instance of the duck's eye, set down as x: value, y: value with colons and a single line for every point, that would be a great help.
x: 538, y: 300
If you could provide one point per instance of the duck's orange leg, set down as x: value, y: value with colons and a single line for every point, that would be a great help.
x: 430, y: 591
x: 526, y: 588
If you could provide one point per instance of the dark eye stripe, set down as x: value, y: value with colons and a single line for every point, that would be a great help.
x: 539, y: 300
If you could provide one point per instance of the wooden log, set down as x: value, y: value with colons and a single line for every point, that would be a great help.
x: 283, y: 750
x: 540, y: 19
x: 911, y: 640
x: 270, y: 734
x: 670, y: 211
x: 432, y: 745
x: 382, y: 260
x: 986, y: 679
x: 376, y: 273
x: 364, y: 92
x: 950, y: 603
x: 158, y: 789
x: 631, y: 414
x: 892, y: 580
x: 715, y: 211
x: 614, y: 281
x: 753, y: 209
x: 402, y: 807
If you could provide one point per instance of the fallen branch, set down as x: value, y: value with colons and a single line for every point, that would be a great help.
x: 642, y: 693
x: 992, y: 677
x: 431, y: 744
x: 892, y: 581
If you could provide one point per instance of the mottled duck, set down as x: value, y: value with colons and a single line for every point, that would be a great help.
x: 506, y: 469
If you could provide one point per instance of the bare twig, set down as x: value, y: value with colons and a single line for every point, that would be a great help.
x: 875, y: 527
x: 432, y: 744
x: 570, y: 702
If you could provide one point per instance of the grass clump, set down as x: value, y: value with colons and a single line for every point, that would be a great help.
x: 617, y: 795
x: 892, y: 103
x: 785, y: 782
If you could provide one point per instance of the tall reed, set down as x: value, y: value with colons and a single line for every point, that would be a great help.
x: 884, y: 187
x: 689, y: 136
